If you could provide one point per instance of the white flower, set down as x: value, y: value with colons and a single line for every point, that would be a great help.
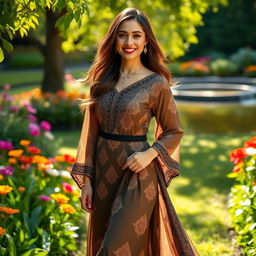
x: 49, y: 135
x: 65, y: 174
x: 246, y: 202
x: 53, y: 172
x: 238, y: 212
x: 250, y: 151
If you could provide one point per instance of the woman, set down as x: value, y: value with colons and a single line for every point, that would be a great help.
x: 124, y: 180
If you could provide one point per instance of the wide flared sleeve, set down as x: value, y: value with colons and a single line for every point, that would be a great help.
x: 84, y: 162
x: 168, y: 132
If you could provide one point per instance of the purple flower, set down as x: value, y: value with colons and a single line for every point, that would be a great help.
x: 6, y: 145
x: 6, y: 170
x: 14, y: 108
x: 44, y: 198
x: 45, y: 126
x: 32, y: 118
x: 34, y: 129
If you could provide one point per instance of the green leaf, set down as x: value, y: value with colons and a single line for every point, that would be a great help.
x: 8, y: 46
x: 32, y: 6
x: 1, y: 55
x: 35, y: 251
x: 11, y: 244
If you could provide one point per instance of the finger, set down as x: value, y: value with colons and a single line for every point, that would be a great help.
x: 89, y: 202
x: 129, y: 160
x: 84, y: 206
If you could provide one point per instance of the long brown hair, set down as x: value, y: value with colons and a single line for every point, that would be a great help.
x: 104, y: 72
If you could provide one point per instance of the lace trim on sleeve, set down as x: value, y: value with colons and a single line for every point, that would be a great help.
x: 172, y: 165
x: 78, y: 172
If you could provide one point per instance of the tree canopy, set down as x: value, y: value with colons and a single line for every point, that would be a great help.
x: 82, y: 23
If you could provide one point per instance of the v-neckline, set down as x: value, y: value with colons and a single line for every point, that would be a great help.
x: 132, y: 84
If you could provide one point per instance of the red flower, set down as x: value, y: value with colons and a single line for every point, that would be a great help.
x: 237, y: 155
x: 69, y: 159
x: 251, y: 143
x: 67, y: 187
x: 26, y: 159
x: 34, y: 150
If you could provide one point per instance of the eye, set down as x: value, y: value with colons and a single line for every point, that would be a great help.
x: 121, y: 35
x: 137, y: 35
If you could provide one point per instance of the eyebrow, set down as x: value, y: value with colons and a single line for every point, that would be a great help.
x: 132, y: 32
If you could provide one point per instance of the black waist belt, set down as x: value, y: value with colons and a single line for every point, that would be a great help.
x: 120, y: 137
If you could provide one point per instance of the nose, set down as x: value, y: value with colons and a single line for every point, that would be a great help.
x: 128, y: 40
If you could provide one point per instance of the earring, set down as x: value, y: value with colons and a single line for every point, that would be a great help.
x: 145, y: 49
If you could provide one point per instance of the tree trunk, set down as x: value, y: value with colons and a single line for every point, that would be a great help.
x: 53, y: 67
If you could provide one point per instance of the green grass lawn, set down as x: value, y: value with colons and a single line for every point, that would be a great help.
x: 199, y: 194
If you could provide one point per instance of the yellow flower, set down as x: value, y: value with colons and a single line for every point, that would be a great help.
x: 15, y: 152
x: 75, y: 193
x: 67, y: 208
x: 60, y: 198
x: 1, y: 176
x: 21, y: 189
x: 25, y: 142
x: 5, y: 189
x: 8, y: 210
x: 12, y: 160
x: 2, y: 231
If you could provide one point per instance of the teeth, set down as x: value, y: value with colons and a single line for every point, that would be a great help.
x: 129, y: 50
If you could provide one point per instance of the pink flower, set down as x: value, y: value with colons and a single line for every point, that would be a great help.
x: 69, y: 77
x: 44, y: 198
x: 46, y: 126
x: 30, y: 109
x: 6, y: 96
x: 14, y: 108
x: 6, y: 145
x: 6, y: 87
x: 6, y: 170
x: 34, y: 129
x: 67, y: 187
x: 32, y: 118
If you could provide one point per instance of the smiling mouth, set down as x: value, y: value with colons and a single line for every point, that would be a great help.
x: 129, y: 50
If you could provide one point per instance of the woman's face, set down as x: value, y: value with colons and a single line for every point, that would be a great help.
x: 130, y: 40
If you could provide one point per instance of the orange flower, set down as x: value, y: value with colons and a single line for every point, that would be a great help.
x: 1, y: 176
x: 251, y: 68
x: 15, y: 152
x: 186, y: 65
x: 5, y: 189
x: 75, y: 193
x: 25, y: 142
x: 60, y: 198
x: 8, y: 210
x: 12, y: 160
x: 59, y: 158
x: 67, y: 208
x: 21, y: 189
x: 2, y: 231
x: 37, y: 159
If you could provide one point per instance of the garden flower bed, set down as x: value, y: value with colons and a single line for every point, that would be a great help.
x: 242, y: 202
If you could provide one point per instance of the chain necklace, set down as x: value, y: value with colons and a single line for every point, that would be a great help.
x: 130, y: 75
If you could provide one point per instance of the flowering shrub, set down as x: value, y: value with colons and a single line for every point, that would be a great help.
x: 242, y: 202
x: 198, y: 66
x: 18, y: 119
x: 250, y: 71
x: 223, y: 67
x: 39, y: 209
x: 60, y: 109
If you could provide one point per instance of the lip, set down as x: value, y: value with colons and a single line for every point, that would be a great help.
x: 129, y: 50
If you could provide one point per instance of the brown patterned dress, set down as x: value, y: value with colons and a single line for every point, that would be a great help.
x: 134, y: 215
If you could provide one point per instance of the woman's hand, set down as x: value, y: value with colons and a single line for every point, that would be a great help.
x: 86, y: 198
x: 139, y: 160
